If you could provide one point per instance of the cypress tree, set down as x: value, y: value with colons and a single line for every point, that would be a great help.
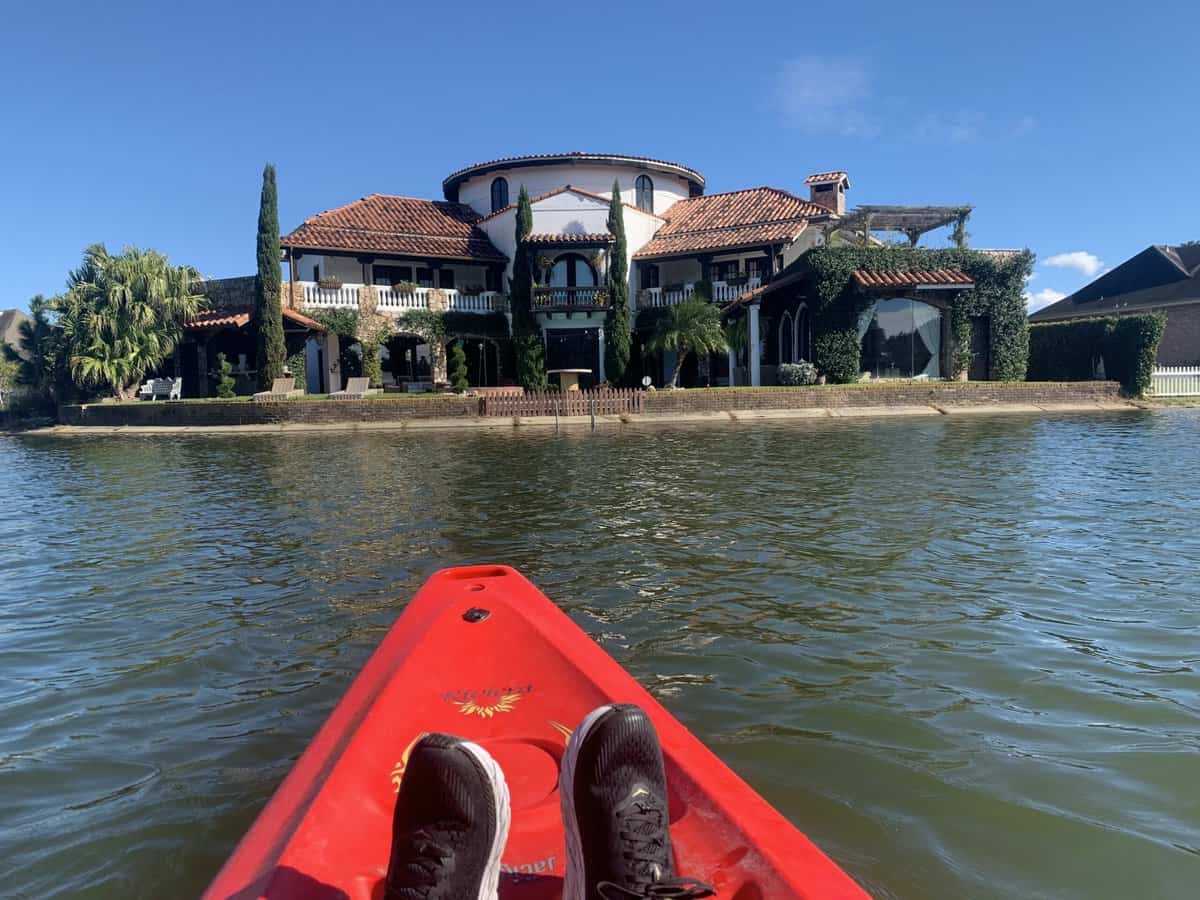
x: 618, y: 345
x: 268, y: 312
x: 527, y: 341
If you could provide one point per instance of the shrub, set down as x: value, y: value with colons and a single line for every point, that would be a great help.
x: 458, y: 368
x: 224, y: 378
x: 800, y: 373
x: 1067, y: 351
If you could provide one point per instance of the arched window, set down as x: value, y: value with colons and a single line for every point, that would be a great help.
x: 645, y: 193
x: 803, y: 334
x: 572, y: 270
x: 787, y: 344
x: 499, y: 194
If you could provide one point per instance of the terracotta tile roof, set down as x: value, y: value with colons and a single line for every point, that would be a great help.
x: 739, y: 218
x: 301, y: 319
x: 222, y: 319
x: 397, y: 225
x: 562, y: 190
x: 241, y: 318
x: 604, y: 238
x: 826, y: 177
x: 935, y: 278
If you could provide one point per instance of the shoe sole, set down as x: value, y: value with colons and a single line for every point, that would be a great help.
x: 489, y: 886
x: 575, y: 885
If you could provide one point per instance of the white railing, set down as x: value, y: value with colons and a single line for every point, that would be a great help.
x: 723, y: 292
x: 392, y: 300
x: 1176, y: 381
x: 328, y: 298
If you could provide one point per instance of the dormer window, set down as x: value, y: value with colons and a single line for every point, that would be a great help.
x: 499, y: 194
x: 644, y: 190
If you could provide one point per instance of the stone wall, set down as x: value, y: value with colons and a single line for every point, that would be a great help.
x: 311, y: 412
x: 937, y: 393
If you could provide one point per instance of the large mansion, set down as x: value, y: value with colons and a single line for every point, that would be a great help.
x: 389, y: 255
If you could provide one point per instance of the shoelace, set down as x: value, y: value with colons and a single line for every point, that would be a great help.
x: 673, y: 889
x: 428, y: 865
x: 642, y: 828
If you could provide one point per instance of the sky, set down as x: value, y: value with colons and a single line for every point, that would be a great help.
x: 1071, y: 128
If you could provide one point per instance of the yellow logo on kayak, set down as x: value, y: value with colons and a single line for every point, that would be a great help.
x: 398, y: 768
x: 487, y: 710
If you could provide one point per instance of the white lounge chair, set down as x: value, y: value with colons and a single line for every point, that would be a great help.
x: 356, y: 389
x: 281, y: 389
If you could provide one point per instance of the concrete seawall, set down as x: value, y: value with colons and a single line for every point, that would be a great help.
x: 709, y: 405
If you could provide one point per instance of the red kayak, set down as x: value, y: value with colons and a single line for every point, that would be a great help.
x: 481, y: 653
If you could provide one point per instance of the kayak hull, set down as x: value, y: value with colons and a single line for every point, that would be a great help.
x: 482, y: 654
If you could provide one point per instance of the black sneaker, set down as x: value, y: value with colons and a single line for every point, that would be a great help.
x: 614, y: 808
x: 450, y: 825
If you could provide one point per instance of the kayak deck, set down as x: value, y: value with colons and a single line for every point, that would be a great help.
x: 482, y: 654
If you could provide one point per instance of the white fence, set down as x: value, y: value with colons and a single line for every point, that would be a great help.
x: 723, y: 292
x: 1176, y: 381
x: 393, y: 300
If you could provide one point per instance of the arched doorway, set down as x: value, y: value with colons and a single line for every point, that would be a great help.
x: 803, y: 329
x: 787, y: 342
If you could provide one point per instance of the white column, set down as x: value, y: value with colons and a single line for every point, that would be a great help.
x: 333, y: 375
x: 600, y: 338
x: 752, y: 312
x: 732, y: 366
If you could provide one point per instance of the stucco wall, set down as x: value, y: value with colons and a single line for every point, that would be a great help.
x: 349, y: 269
x: 476, y: 192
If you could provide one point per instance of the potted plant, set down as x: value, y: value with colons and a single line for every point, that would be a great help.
x: 738, y: 279
x: 545, y: 264
x: 404, y: 287
x: 674, y: 287
x: 471, y: 290
x: 330, y: 283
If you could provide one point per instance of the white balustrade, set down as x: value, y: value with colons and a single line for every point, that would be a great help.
x: 722, y: 292
x: 330, y: 298
x: 1176, y: 381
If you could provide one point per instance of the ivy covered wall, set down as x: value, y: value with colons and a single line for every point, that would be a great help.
x: 999, y: 293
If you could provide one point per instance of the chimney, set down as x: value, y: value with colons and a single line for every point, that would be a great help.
x: 828, y: 189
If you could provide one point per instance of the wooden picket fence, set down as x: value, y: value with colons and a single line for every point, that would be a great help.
x: 1176, y: 381
x: 597, y: 401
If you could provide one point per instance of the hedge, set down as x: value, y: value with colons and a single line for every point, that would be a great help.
x: 1067, y: 351
x: 998, y: 293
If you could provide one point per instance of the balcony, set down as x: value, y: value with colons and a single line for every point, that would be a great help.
x: 547, y: 298
x: 392, y: 300
x: 723, y: 292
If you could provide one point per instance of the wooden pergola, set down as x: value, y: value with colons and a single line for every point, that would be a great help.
x: 911, y: 221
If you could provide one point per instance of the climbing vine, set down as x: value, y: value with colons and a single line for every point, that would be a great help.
x: 998, y: 293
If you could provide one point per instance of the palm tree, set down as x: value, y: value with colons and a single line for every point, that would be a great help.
x: 693, y: 326
x: 123, y: 315
x: 40, y: 360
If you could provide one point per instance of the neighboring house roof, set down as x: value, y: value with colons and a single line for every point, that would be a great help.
x: 1158, y: 276
x: 919, y: 278
x: 568, y: 188
x: 403, y: 226
x: 454, y: 179
x: 10, y: 329
x: 735, y: 219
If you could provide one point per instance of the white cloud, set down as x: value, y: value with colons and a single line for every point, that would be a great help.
x: 825, y: 96
x: 1044, y: 297
x: 953, y: 128
x: 1080, y: 260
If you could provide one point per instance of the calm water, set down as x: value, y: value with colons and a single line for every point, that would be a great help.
x: 962, y: 655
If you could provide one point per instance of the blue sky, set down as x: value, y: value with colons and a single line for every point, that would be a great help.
x: 1070, y: 127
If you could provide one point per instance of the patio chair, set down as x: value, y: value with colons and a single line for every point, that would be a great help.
x: 356, y: 389
x: 171, y: 388
x: 281, y: 389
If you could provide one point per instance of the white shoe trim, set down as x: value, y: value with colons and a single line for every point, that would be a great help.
x: 575, y: 885
x: 489, y: 885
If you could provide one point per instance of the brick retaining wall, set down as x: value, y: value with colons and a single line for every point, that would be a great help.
x: 937, y: 393
x: 400, y: 408
x: 311, y: 412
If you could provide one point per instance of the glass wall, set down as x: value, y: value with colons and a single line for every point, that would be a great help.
x: 901, y: 338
